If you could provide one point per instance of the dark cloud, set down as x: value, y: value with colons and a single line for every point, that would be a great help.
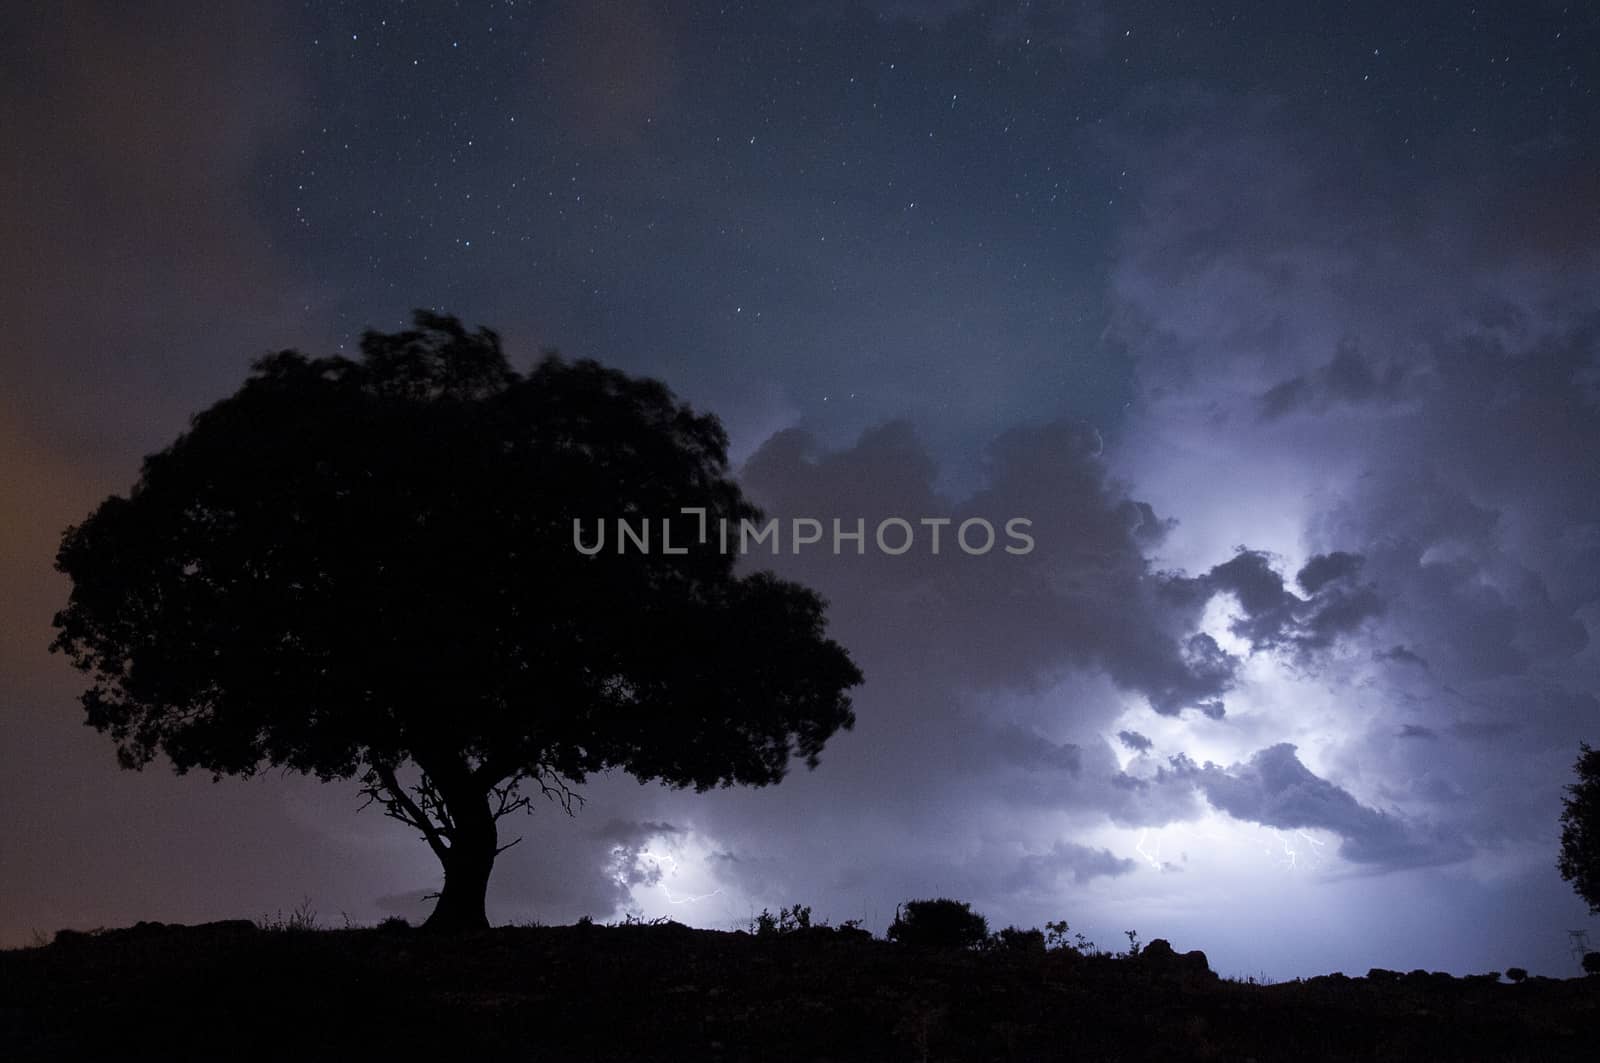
x: 1349, y: 378
x: 633, y: 833
x: 1467, y: 601
x: 1275, y: 617
x: 1400, y: 655
x: 1064, y: 860
x: 1327, y: 568
x: 1275, y: 789
x: 1135, y: 741
x: 1032, y: 751
x: 1084, y: 597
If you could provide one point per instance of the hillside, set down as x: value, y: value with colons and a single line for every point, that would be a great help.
x: 232, y: 990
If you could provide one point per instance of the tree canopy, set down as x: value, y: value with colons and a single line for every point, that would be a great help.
x: 1580, y: 829
x: 354, y: 567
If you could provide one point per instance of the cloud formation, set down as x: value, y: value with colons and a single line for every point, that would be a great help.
x: 1085, y: 597
x: 1424, y: 471
x: 1273, y: 788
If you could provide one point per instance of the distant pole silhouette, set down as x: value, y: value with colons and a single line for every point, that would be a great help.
x: 1579, y: 945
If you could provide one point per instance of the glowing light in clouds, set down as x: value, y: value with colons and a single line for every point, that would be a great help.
x: 673, y: 873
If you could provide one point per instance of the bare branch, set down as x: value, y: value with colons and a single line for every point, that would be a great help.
x: 509, y: 798
x: 381, y: 785
x: 556, y: 788
x: 432, y: 802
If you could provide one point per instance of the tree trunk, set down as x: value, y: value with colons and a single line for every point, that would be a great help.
x: 466, y: 866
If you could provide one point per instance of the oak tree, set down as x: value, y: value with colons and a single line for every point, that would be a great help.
x: 365, y: 569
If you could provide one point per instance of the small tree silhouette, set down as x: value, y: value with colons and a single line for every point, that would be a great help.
x: 1516, y: 974
x: 367, y: 569
x: 940, y: 923
x: 1580, y: 829
x: 1015, y: 939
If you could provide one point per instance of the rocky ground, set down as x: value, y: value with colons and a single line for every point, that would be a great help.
x: 659, y: 992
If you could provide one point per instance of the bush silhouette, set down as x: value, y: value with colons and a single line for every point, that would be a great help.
x: 1015, y: 939
x: 790, y: 920
x: 1516, y: 974
x: 1591, y: 963
x: 940, y: 923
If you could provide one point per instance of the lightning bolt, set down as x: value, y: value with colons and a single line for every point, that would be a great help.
x: 1155, y: 858
x: 688, y: 898
x: 1291, y: 855
x: 1288, y: 852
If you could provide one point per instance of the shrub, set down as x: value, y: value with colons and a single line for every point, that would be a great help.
x: 790, y: 920
x: 638, y: 919
x: 1591, y: 963
x: 303, y: 918
x: 940, y: 923
x: 1516, y: 974
x: 1015, y: 939
x: 852, y: 929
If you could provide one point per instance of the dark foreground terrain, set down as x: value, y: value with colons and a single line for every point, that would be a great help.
x: 231, y: 990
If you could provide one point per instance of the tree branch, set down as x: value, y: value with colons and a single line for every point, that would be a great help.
x: 381, y: 785
x: 509, y: 799
x: 553, y: 786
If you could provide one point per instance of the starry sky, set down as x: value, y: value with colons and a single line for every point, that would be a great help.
x: 1278, y: 321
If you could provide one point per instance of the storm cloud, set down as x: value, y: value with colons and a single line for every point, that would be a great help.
x: 1275, y: 789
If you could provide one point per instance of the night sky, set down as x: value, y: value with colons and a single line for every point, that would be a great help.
x: 1280, y: 324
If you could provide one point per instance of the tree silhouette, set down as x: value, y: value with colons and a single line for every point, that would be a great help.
x: 365, y: 569
x: 1580, y: 829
